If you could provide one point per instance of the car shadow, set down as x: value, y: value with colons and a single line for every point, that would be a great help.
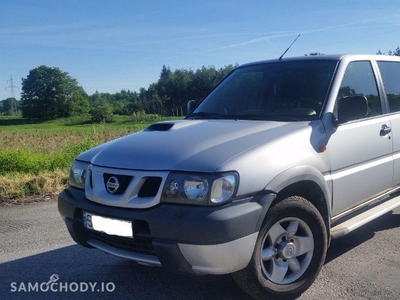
x: 112, y: 277
x: 359, y: 236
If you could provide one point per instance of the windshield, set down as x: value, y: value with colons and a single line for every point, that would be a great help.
x: 270, y: 91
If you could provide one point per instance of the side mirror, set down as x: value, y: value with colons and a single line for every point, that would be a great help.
x: 352, y: 108
x: 191, y: 106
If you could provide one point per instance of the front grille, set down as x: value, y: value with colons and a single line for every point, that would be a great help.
x: 139, y: 245
x: 150, y: 187
x: 124, y: 187
x: 123, y: 180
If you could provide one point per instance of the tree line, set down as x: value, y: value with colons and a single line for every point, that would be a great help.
x: 49, y: 93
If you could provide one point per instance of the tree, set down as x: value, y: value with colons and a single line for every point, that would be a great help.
x: 101, y: 110
x: 9, y: 106
x: 49, y: 93
x: 168, y: 96
x: 390, y: 52
x: 174, y: 89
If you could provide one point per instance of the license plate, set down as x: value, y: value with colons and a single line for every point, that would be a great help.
x: 107, y: 225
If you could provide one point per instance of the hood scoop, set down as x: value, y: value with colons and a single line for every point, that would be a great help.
x: 160, y: 127
x: 172, y: 125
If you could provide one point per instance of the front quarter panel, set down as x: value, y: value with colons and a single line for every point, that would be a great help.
x: 293, y: 157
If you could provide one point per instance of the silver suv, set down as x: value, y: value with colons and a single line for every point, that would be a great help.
x: 281, y: 157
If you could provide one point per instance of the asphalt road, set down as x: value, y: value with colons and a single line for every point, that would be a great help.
x: 35, y: 248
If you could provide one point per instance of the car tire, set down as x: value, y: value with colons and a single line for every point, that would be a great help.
x: 289, y: 252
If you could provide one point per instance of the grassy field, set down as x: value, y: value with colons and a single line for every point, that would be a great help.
x: 35, y: 156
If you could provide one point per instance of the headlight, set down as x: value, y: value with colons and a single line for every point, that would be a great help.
x: 223, y: 188
x: 77, y: 174
x: 200, y: 189
x: 196, y: 188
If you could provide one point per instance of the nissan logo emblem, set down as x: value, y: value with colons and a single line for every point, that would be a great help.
x: 112, y: 185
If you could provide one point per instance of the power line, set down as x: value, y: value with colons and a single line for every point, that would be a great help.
x: 13, y: 102
x: 11, y: 86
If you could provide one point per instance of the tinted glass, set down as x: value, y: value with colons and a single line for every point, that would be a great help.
x: 359, y: 80
x: 283, y: 90
x: 390, y: 72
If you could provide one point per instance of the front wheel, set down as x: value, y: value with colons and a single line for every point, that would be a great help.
x: 289, y: 252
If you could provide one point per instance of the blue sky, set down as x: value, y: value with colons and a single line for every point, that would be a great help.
x: 113, y: 45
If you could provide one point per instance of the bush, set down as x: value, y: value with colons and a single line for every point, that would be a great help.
x: 141, y: 116
x: 102, y: 112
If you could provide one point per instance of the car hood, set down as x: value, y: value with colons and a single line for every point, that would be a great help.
x: 187, y: 145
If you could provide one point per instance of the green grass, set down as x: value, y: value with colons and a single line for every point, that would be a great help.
x: 80, y: 123
x: 35, y: 156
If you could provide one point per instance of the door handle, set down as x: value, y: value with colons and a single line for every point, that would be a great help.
x: 385, y: 130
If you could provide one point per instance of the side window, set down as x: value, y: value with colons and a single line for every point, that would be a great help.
x: 359, y: 80
x: 390, y: 72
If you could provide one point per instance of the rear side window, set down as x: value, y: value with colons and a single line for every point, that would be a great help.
x: 390, y: 72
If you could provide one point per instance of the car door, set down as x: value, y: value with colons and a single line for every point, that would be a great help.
x: 390, y: 74
x: 361, y: 147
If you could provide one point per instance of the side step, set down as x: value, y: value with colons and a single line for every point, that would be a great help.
x: 346, y: 227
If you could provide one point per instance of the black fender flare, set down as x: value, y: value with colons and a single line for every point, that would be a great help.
x: 299, y: 174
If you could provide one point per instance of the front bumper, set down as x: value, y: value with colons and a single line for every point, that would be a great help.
x: 200, y: 240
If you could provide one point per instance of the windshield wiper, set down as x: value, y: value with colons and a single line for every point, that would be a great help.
x: 205, y: 115
x: 286, y: 118
x: 248, y: 117
x: 270, y: 117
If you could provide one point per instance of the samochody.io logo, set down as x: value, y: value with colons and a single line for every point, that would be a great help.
x: 55, y: 285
